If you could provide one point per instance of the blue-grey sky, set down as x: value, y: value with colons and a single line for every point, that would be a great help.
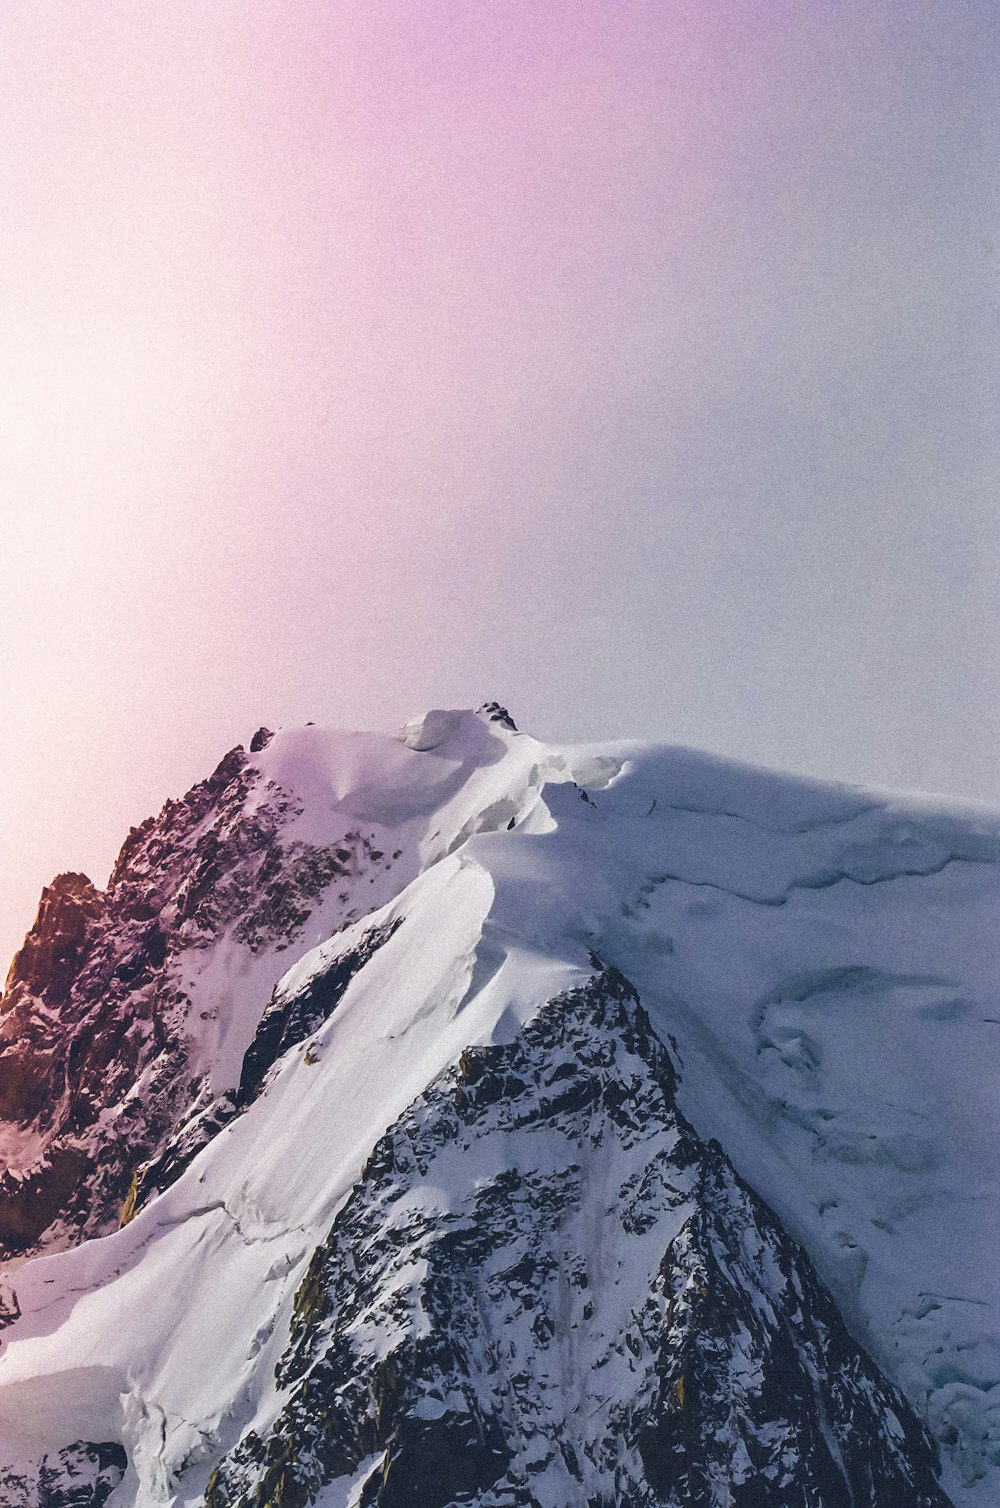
x: 635, y: 363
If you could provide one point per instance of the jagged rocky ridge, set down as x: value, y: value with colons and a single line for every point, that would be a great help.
x: 332, y: 1048
x: 95, y: 1021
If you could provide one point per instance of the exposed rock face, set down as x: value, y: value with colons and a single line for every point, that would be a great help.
x: 546, y: 1289
x: 83, y: 1475
x: 95, y: 1022
x: 55, y: 948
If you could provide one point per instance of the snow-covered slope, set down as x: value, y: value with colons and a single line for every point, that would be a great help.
x: 369, y: 1035
x: 127, y: 1008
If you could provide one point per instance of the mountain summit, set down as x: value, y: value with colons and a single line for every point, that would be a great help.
x: 452, y: 1118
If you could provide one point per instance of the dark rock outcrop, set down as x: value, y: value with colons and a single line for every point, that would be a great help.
x: 494, y: 712
x: 290, y: 1019
x: 83, y: 1475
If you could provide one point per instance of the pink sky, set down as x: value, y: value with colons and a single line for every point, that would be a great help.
x: 634, y: 363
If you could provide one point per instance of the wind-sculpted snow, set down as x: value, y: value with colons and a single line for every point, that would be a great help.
x: 352, y: 927
x: 833, y: 986
x: 291, y: 1017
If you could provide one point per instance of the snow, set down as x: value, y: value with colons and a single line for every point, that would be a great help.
x: 827, y: 959
x: 345, y: 1492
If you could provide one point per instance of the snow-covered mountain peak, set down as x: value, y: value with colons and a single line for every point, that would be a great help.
x: 341, y: 944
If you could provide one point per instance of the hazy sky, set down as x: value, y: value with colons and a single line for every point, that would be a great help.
x: 634, y: 363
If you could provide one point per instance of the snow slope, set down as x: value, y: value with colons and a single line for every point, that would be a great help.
x: 823, y: 961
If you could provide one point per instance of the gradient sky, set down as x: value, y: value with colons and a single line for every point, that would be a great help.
x: 635, y: 363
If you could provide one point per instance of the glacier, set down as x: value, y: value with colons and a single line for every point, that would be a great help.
x: 452, y: 1116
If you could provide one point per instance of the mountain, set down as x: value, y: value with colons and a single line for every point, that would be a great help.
x: 449, y: 1117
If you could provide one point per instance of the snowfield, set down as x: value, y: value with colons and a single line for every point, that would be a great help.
x: 822, y: 961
